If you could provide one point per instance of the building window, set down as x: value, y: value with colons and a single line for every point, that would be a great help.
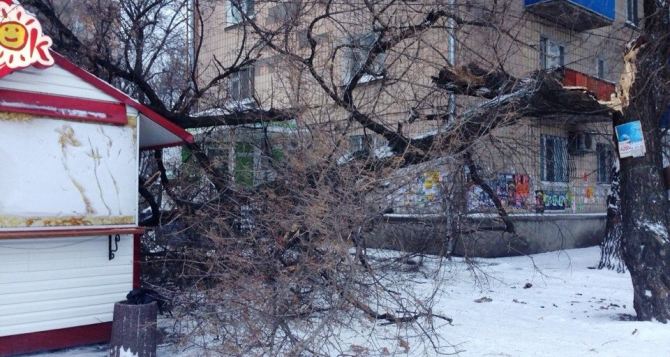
x: 241, y: 85
x: 237, y: 9
x: 631, y: 12
x: 357, y: 143
x: 554, y: 158
x: 605, y: 162
x: 552, y: 54
x: 302, y: 39
x: 285, y: 12
x: 245, y: 164
x: 359, y: 50
x: 600, y: 68
x: 360, y: 145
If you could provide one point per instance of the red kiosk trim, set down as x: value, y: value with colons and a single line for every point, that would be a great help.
x: 63, y: 107
x: 55, y: 339
x: 137, y: 260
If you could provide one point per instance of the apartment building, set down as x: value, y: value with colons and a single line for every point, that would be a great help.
x: 551, y: 173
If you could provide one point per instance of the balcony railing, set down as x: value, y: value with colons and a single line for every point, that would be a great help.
x: 602, y: 89
x: 577, y: 15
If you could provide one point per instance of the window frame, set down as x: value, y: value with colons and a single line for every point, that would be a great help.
x: 287, y: 11
x: 245, y: 160
x: 544, y: 55
x: 632, y: 13
x: 360, y: 144
x: 233, y: 15
x: 353, y: 65
x: 236, y: 79
x: 560, y: 170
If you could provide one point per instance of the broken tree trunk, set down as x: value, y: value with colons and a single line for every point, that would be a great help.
x: 508, y: 99
x: 644, y: 96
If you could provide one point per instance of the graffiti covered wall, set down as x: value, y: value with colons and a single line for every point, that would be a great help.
x: 417, y: 191
x: 519, y: 177
x: 513, y: 190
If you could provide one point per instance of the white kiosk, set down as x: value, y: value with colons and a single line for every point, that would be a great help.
x: 69, y: 161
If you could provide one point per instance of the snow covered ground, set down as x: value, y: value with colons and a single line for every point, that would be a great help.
x: 551, y: 304
x: 570, y: 310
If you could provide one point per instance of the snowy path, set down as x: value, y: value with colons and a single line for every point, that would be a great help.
x: 570, y: 310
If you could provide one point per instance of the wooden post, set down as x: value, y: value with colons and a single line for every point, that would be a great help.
x: 134, y: 331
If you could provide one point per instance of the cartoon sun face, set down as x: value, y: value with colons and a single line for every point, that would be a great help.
x: 22, y: 43
x: 13, y: 35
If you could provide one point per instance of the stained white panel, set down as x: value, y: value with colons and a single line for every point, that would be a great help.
x: 63, y: 173
x: 68, y: 282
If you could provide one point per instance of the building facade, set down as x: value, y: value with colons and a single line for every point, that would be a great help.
x: 558, y: 167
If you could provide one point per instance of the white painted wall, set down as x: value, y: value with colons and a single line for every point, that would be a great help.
x: 55, y: 283
x: 53, y: 80
x: 54, y: 168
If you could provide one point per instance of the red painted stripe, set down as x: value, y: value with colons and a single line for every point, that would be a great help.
x: 137, y: 261
x: 55, y: 339
x: 63, y: 107
x: 60, y: 233
x: 122, y: 97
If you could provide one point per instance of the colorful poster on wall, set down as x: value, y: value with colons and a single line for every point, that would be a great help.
x: 521, y: 190
x: 478, y: 200
x: 630, y: 139
x: 505, y: 188
x: 513, y: 191
x: 556, y: 200
x: 429, y: 186
x: 589, y: 195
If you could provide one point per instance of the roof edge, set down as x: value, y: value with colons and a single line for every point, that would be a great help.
x: 124, y: 98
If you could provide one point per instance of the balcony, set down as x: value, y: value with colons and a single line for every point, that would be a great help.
x: 603, y: 90
x: 577, y: 15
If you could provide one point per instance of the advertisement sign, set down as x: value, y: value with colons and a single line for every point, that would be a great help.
x: 22, y: 43
x: 630, y: 139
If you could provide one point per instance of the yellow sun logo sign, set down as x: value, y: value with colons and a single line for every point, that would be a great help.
x: 22, y: 43
x: 13, y: 36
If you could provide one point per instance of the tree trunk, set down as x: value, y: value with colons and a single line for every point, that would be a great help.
x: 644, y: 96
x: 611, y: 252
x: 645, y: 238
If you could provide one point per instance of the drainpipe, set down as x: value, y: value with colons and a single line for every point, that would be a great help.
x: 190, y: 34
x: 453, y: 207
x: 451, y: 23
